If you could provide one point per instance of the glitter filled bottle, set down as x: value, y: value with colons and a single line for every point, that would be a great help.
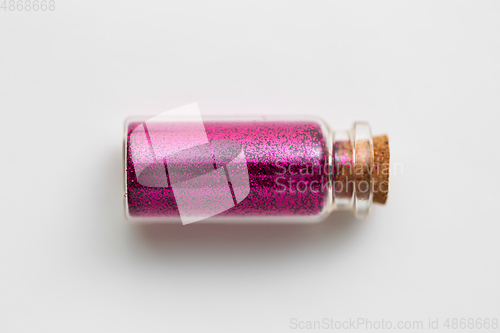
x: 262, y: 169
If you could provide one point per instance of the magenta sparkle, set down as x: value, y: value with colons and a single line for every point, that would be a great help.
x: 287, y: 165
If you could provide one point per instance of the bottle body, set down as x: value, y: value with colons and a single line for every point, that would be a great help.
x: 287, y: 170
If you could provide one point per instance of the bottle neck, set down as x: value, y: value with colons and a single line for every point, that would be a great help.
x: 352, y: 168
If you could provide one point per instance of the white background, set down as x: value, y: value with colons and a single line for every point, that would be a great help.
x: 427, y: 73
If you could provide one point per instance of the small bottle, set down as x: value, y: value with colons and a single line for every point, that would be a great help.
x: 180, y: 167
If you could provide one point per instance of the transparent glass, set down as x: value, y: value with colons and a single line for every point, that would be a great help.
x: 259, y: 169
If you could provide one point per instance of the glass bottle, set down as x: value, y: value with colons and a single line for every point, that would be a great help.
x: 180, y: 167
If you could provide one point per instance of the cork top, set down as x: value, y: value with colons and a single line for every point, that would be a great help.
x: 381, y: 168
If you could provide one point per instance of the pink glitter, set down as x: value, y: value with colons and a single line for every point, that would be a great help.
x: 287, y: 167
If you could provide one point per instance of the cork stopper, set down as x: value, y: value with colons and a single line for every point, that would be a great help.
x: 381, y: 168
x: 360, y: 169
